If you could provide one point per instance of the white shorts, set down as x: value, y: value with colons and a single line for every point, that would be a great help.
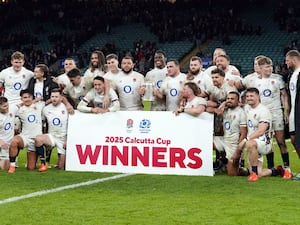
x: 28, y: 143
x: 222, y: 145
x: 277, y: 120
x: 262, y: 147
x: 4, y: 154
x: 58, y: 143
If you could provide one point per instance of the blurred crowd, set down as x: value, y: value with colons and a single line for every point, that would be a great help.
x: 80, y: 20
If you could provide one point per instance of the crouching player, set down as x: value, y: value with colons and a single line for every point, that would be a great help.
x: 259, y: 138
x: 6, y: 132
x: 235, y: 130
x: 56, y: 116
x: 30, y: 116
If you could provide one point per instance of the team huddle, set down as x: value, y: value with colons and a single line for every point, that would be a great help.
x: 248, y: 111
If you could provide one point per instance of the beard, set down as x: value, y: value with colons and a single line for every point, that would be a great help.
x: 95, y: 65
x: 128, y: 71
x: 221, y: 67
x: 196, y: 72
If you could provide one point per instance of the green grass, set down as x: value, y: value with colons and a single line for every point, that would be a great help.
x: 149, y: 199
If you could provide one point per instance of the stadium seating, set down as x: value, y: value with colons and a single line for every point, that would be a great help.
x: 245, y: 48
x: 124, y: 36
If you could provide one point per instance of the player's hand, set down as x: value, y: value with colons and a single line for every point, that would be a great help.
x: 105, y: 101
x: 3, y: 144
x: 70, y: 109
x: 235, y: 72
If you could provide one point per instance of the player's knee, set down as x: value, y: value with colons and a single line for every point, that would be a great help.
x: 251, y: 145
x: 38, y: 141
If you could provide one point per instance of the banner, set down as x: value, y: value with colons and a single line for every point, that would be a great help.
x: 140, y: 142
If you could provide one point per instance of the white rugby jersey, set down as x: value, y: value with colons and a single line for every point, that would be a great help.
x: 228, y: 74
x: 57, y: 118
x: 97, y: 100
x: 38, y: 88
x: 156, y: 77
x: 63, y: 79
x: 250, y: 80
x: 203, y: 81
x: 220, y: 94
x: 258, y: 115
x: 78, y: 92
x: 269, y: 91
x: 171, y: 87
x: 233, y: 120
x: 31, y: 119
x: 7, y: 126
x: 127, y: 86
x: 90, y: 74
x: 112, y: 76
x: 14, y: 82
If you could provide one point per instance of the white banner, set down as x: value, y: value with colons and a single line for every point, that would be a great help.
x: 140, y: 142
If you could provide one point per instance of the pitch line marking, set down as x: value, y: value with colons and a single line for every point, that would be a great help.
x: 44, y: 192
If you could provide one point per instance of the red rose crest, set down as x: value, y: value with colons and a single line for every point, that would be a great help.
x: 24, y: 76
x: 129, y: 123
x: 134, y: 79
x: 63, y: 112
x: 273, y: 82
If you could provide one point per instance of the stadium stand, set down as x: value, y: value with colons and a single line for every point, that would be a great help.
x: 53, y: 31
x: 269, y: 41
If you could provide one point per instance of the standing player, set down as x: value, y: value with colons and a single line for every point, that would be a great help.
x: 6, y: 132
x: 171, y: 86
x: 30, y: 116
x: 217, y: 52
x: 63, y: 80
x: 156, y: 76
x: 14, y: 79
x: 41, y: 84
x: 112, y: 62
x: 223, y: 63
x: 273, y: 95
x: 196, y: 75
x: 292, y: 60
x: 128, y: 86
x: 56, y: 116
x: 97, y: 65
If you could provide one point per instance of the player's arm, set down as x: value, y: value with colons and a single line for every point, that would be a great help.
x: 196, y: 110
x: 263, y: 126
x: 285, y: 103
x: 106, y: 93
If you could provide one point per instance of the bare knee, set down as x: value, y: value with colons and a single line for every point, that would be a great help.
x: 38, y: 141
